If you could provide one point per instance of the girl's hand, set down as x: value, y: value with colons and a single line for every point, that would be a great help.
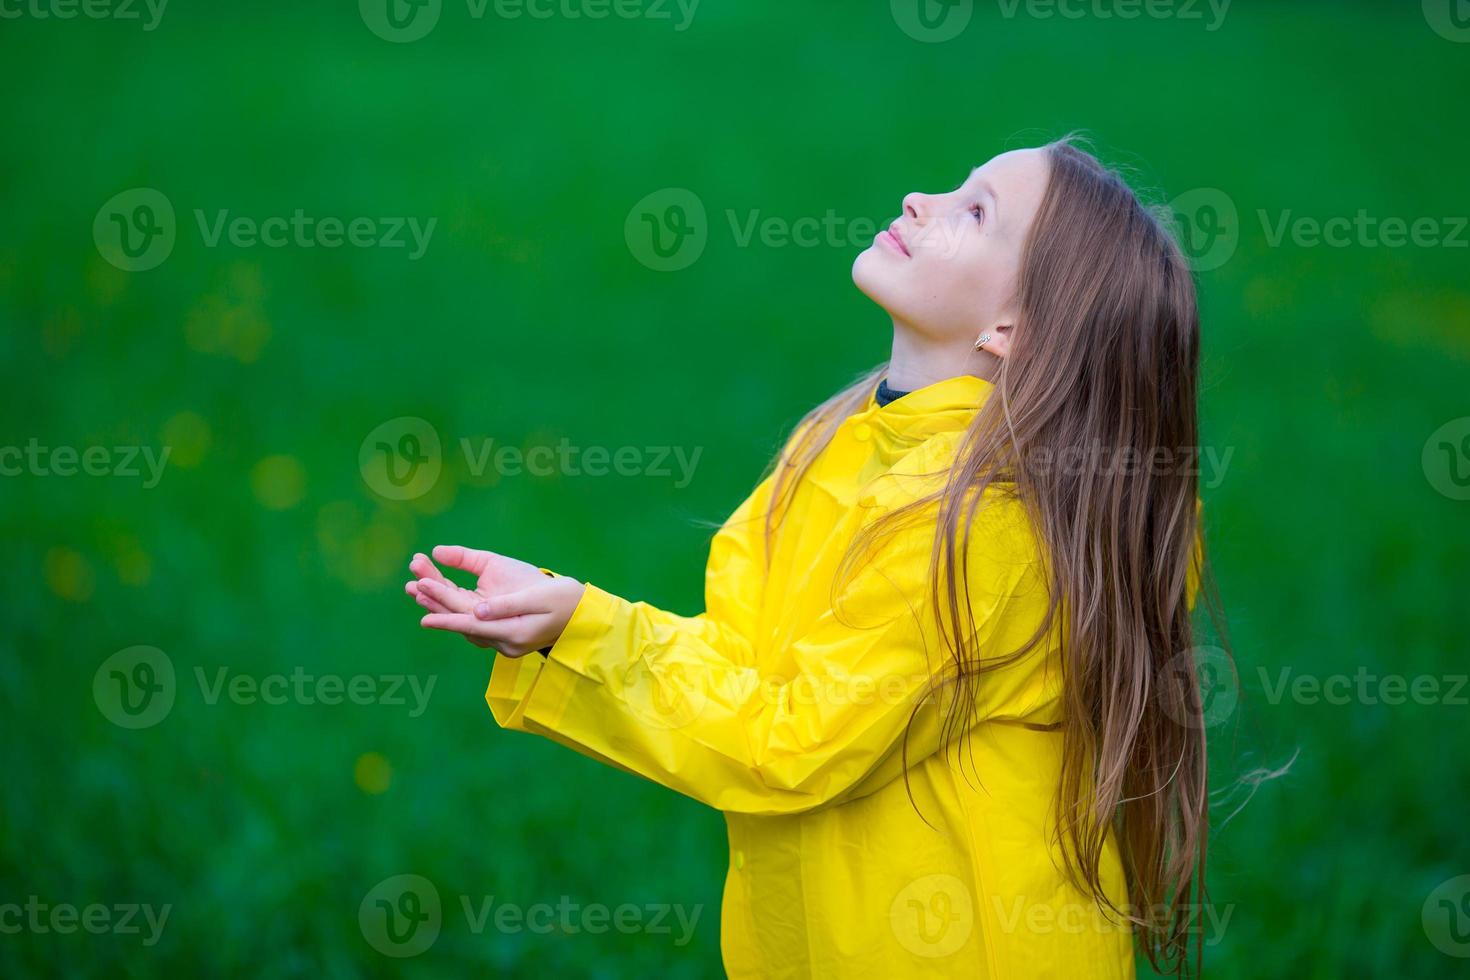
x: 495, y: 575
x: 514, y: 608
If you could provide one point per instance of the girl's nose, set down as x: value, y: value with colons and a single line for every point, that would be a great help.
x: 915, y: 205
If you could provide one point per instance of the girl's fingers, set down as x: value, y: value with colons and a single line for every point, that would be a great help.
x: 451, y: 597
x: 511, y: 637
x: 456, y: 622
x: 419, y: 596
x: 412, y: 588
x: 466, y: 625
x: 507, y: 606
x: 467, y: 559
x: 423, y: 567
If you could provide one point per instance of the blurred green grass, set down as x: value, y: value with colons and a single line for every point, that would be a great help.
x: 529, y: 320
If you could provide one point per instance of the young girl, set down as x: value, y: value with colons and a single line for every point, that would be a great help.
x: 942, y: 689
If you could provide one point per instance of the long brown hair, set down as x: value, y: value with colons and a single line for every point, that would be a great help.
x: 1104, y: 355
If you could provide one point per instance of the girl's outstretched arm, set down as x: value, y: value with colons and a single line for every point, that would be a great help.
x: 682, y: 700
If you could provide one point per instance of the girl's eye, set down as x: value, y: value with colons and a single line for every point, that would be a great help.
x: 978, y: 212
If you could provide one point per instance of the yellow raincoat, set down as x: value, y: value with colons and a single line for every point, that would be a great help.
x: 789, y: 716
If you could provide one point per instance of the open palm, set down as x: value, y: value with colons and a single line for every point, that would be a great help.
x: 495, y: 575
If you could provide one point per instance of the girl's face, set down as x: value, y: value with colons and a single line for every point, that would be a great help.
x: 947, y: 269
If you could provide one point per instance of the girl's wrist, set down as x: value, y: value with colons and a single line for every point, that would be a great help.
x: 574, y: 598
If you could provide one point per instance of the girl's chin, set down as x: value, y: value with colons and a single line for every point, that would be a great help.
x: 874, y: 277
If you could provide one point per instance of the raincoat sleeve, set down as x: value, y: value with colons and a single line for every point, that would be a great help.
x: 681, y: 701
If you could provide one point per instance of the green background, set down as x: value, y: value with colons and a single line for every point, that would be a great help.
x: 531, y: 319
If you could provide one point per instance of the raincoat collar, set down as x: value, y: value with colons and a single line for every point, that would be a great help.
x: 942, y: 407
x: 962, y: 394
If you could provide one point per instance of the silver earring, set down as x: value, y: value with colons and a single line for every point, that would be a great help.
x: 984, y: 339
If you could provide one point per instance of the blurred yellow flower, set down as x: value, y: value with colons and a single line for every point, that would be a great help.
x: 279, y: 482
x: 372, y: 773
x: 230, y: 320
x: 61, y: 330
x: 440, y: 496
x: 105, y: 281
x: 188, y: 437
x: 68, y: 574
x: 366, y: 553
x: 133, y: 564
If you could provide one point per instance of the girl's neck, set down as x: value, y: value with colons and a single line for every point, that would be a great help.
x: 918, y: 361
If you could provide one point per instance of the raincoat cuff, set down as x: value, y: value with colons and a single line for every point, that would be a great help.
x: 542, y: 686
x: 586, y: 629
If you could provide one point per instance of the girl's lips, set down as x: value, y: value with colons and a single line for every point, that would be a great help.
x: 892, y: 241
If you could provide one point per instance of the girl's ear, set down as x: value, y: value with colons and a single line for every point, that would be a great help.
x: 996, y: 340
